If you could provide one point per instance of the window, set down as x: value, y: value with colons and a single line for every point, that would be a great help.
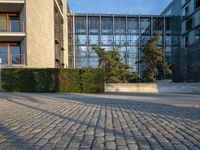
x: 186, y: 41
x: 132, y: 25
x: 168, y: 40
x: 197, y: 36
x: 157, y: 25
x: 10, y: 53
x: 4, y: 53
x: 93, y: 39
x: 132, y: 39
x: 106, y: 25
x: 186, y: 11
x: 197, y: 4
x: 189, y: 24
x: 120, y: 25
x: 15, y: 53
x: 168, y: 26
x: 120, y: 39
x: 93, y: 25
x: 81, y: 39
x: 106, y: 40
x: 145, y: 26
x: 14, y: 24
x: 81, y: 24
x: 9, y: 22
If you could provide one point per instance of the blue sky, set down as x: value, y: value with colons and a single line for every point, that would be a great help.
x: 118, y: 6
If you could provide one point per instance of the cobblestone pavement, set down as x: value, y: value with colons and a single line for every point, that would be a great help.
x: 61, y: 121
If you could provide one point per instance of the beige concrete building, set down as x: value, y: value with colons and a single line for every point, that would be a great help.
x: 33, y: 33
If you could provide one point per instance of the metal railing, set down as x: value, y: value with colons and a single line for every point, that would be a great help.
x: 12, y: 26
x: 14, y: 59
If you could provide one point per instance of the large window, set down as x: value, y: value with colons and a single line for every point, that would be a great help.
x: 10, y: 53
x: 10, y: 23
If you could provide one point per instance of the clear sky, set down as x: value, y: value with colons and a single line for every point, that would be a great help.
x: 118, y: 6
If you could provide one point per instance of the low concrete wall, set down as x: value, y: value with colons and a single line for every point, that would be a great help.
x: 154, y: 87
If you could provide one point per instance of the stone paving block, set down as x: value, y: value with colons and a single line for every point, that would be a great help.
x: 180, y: 147
x: 62, y: 124
x: 55, y: 139
x: 110, y: 145
x: 41, y: 142
x: 133, y: 146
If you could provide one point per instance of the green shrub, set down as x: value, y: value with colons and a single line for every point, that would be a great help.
x: 91, y: 80
x: 53, y: 80
x: 70, y: 81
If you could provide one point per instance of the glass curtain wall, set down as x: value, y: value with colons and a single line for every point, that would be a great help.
x: 126, y: 33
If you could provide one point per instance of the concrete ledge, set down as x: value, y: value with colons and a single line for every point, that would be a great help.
x: 11, y: 5
x: 154, y: 87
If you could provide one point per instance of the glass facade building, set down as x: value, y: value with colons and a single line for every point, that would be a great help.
x: 127, y: 33
x: 187, y: 64
x: 190, y: 45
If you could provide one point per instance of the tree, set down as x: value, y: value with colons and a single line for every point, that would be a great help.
x: 153, y: 61
x: 115, y: 70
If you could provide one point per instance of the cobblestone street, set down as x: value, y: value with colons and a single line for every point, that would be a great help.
x: 99, y: 122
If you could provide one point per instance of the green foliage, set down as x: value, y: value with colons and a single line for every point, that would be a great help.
x: 53, y: 80
x: 153, y: 61
x: 115, y: 70
x: 70, y: 81
x: 92, y: 80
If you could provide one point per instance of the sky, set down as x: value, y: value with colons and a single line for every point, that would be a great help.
x: 146, y: 7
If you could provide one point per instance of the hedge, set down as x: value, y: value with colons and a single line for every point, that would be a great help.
x: 53, y: 80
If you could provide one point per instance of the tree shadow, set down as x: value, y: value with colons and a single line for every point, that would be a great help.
x: 13, y: 141
x: 155, y: 108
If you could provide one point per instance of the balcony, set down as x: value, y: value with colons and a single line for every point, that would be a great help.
x: 11, y: 5
x: 12, y: 31
x: 12, y: 60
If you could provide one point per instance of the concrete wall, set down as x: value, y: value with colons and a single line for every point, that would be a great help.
x: 66, y: 35
x: 40, y: 33
x: 154, y: 87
